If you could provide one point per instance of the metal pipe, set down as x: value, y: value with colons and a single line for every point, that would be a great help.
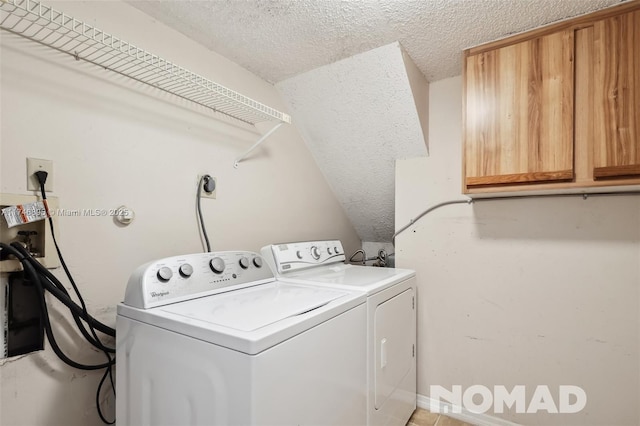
x: 498, y: 197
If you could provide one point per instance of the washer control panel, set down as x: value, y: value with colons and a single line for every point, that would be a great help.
x: 289, y: 257
x: 179, y: 278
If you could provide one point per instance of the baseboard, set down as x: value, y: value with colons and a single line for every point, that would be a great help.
x: 461, y: 413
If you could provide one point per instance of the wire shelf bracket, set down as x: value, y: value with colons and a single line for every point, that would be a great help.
x: 47, y: 26
x: 255, y: 145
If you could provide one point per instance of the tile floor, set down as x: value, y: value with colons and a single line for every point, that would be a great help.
x: 425, y: 418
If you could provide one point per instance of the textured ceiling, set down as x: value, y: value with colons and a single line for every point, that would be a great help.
x: 314, y: 51
x: 358, y: 116
x: 278, y: 39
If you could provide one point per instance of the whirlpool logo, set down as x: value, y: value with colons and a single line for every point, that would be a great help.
x: 159, y: 293
x: 481, y: 399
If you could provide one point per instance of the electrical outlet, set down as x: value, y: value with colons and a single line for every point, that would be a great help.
x: 212, y: 194
x: 34, y: 165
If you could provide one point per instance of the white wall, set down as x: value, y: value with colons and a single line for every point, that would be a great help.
x: 529, y: 291
x: 113, y: 142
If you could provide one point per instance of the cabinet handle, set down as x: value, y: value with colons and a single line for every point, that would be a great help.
x: 616, y: 172
x: 383, y: 353
x: 562, y: 175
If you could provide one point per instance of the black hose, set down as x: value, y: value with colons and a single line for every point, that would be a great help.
x: 55, y: 287
x: 48, y: 276
x: 42, y: 178
x: 35, y: 278
x: 49, y: 282
x: 199, y: 209
x: 104, y: 376
x: 64, y: 298
x: 95, y: 343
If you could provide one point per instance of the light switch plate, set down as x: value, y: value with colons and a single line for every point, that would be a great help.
x: 34, y: 165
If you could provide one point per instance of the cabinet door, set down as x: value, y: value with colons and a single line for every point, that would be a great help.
x: 616, y: 85
x: 519, y: 113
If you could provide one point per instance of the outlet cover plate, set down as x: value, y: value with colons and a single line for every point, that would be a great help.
x: 211, y: 194
x: 34, y: 165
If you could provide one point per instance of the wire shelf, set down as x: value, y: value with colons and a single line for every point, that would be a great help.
x: 43, y: 24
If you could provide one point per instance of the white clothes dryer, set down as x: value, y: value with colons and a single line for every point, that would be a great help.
x: 214, y: 339
x: 391, y: 319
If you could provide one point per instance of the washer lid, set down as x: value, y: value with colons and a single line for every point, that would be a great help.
x: 252, y: 319
x: 256, y: 307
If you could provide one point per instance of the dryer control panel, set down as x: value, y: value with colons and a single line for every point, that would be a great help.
x: 289, y: 257
x: 189, y: 276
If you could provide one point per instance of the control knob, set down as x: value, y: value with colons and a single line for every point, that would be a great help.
x: 186, y: 270
x: 257, y: 262
x: 244, y: 262
x: 315, y: 252
x: 164, y: 274
x: 217, y: 265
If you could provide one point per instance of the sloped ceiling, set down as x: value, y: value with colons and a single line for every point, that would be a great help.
x: 285, y: 41
x: 358, y: 116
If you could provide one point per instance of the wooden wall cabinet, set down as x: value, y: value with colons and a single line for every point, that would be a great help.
x: 555, y: 108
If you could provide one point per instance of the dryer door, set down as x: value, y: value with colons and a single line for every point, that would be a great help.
x: 394, y: 331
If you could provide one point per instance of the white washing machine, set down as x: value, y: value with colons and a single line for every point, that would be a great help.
x: 391, y: 319
x: 214, y: 339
